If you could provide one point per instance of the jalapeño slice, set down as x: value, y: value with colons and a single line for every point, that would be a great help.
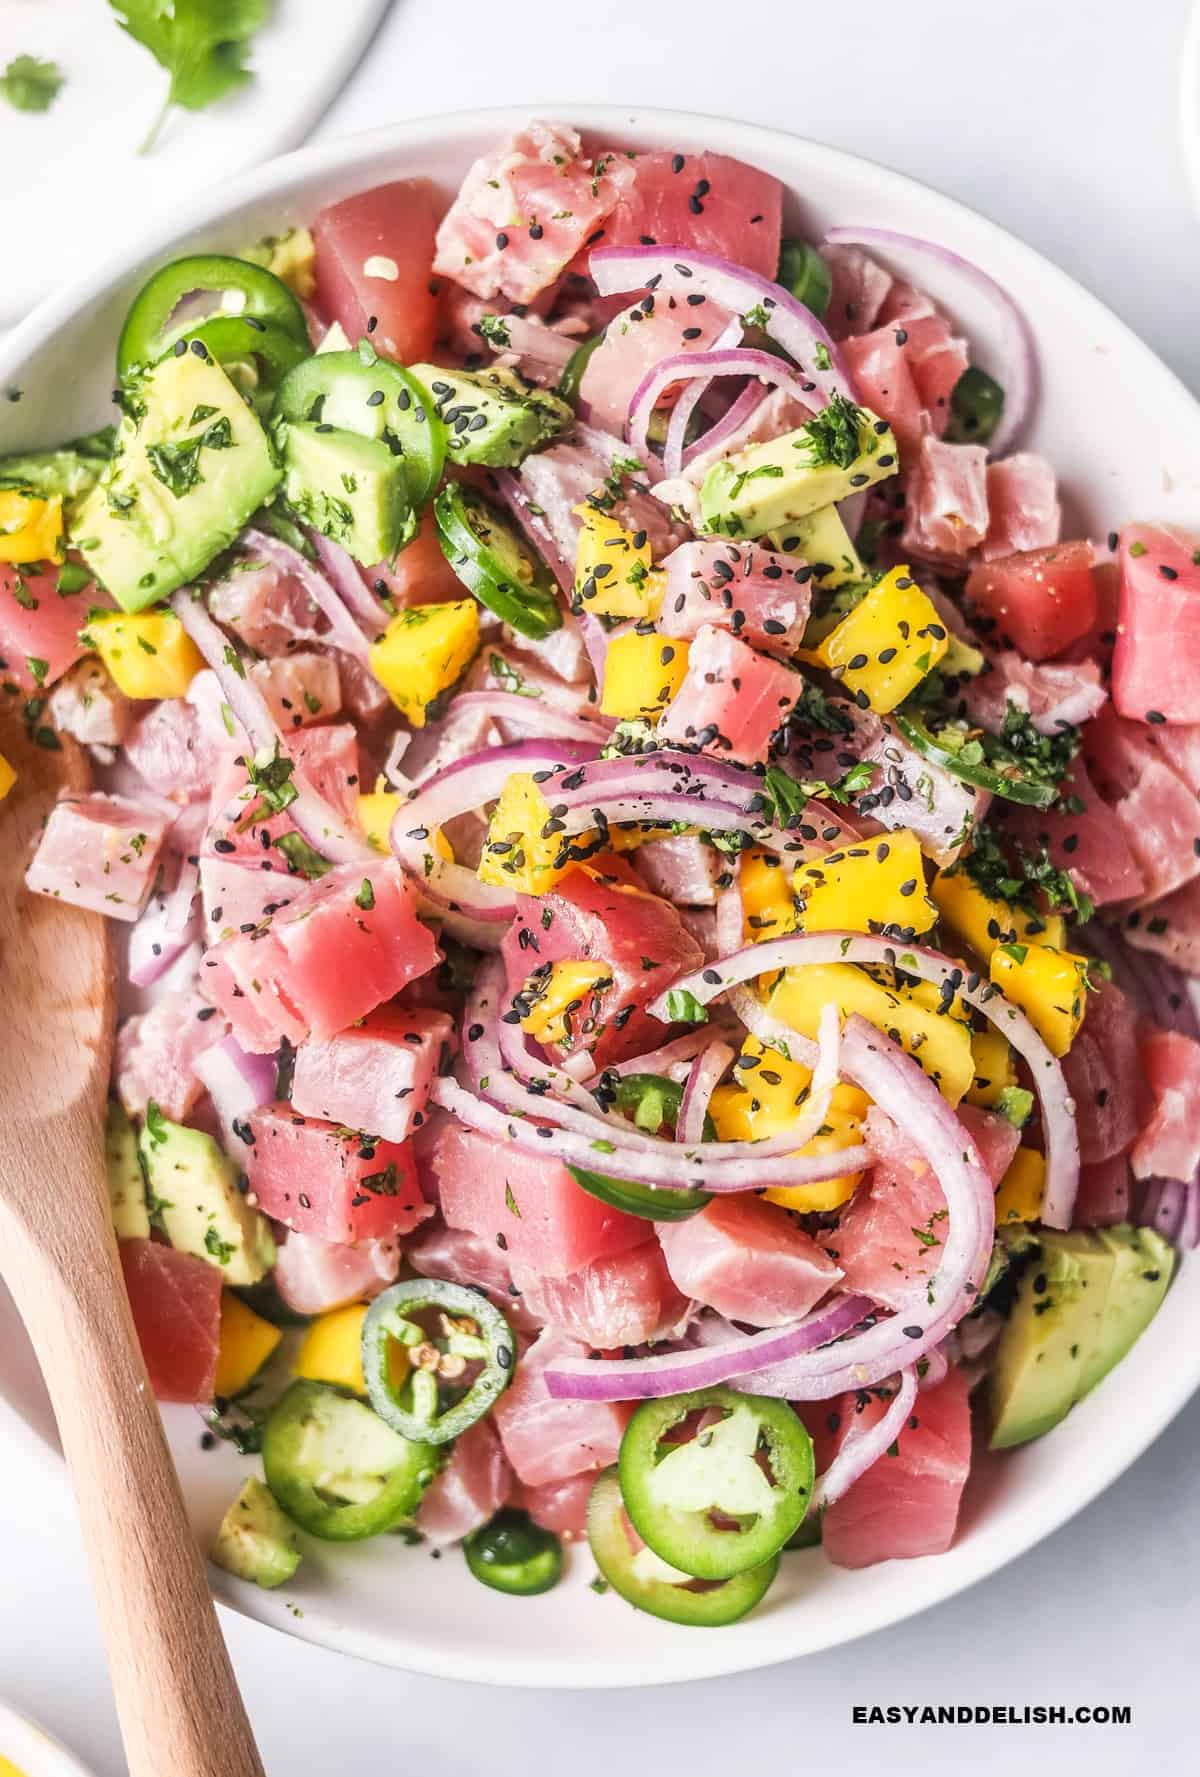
x: 180, y: 297
x: 361, y: 392
x: 462, y: 1357
x: 494, y: 563
x: 336, y: 1469
x: 650, y: 1100
x: 513, y: 1554
x: 1002, y: 772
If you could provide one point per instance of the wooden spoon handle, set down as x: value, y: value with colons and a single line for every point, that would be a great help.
x: 178, y: 1701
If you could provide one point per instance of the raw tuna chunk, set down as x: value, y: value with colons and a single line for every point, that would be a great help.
x: 737, y: 214
x: 458, y: 1256
x: 682, y: 868
x: 314, y: 1275
x: 548, y: 1440
x: 1023, y: 509
x: 1102, y: 1070
x: 908, y: 790
x: 749, y: 1260
x: 157, y: 1053
x: 732, y: 700
x: 176, y: 1304
x: 1168, y: 1145
x: 560, y: 1506
x: 891, y: 1233
x: 269, y: 609
x: 420, y: 574
x: 1170, y: 928
x: 1156, y: 812
x: 905, y: 1504
x: 639, y: 938
x: 318, y: 1179
x: 377, y: 1075
x: 473, y: 1486
x: 759, y: 594
x: 617, y: 1301
x: 1156, y: 662
x: 1089, y: 844
x: 947, y: 501
x: 883, y: 378
x: 1105, y: 1194
x: 374, y: 258
x: 99, y: 852
x: 324, y: 961
x: 906, y: 368
x: 181, y: 746
x: 859, y: 287
x: 524, y: 211
x: 239, y: 894
x: 636, y: 341
x: 39, y: 632
x: 530, y: 1207
x: 87, y: 705
x: 1053, y: 694
x: 326, y: 756
x: 299, y: 689
x: 1039, y: 600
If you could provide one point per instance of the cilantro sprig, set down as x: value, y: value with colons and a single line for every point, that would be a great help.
x: 202, y: 44
x: 30, y: 84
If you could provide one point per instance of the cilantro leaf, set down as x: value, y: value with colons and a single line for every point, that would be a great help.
x: 202, y: 44
x: 831, y: 436
x: 31, y: 85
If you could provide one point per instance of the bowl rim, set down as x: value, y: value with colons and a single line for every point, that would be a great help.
x: 706, y: 1656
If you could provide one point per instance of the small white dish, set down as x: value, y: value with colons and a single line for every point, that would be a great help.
x: 85, y: 187
x: 1101, y: 389
x: 31, y: 1752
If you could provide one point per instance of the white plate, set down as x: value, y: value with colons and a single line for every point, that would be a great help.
x: 1189, y: 102
x: 31, y: 1750
x: 76, y: 182
x: 1121, y: 431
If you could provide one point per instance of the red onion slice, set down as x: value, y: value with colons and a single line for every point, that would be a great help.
x: 312, y: 816
x: 619, y: 270
x: 864, y: 1445
x: 702, y: 1080
x: 695, y: 387
x: 1018, y: 353
x: 676, y: 1372
x: 732, y: 421
x: 349, y: 585
x: 1058, y: 1109
x: 344, y: 632
x: 699, y: 369
x: 533, y: 714
x: 672, y: 1059
x: 237, y: 1083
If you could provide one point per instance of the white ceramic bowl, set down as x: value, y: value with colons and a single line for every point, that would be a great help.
x: 31, y: 1751
x: 1189, y: 102
x: 1122, y: 433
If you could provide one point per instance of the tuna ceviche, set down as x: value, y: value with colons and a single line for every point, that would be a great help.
x: 658, y: 886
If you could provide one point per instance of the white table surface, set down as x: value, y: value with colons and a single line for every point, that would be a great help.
x: 1060, y: 123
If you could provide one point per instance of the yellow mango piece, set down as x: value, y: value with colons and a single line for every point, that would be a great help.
x: 559, y: 997
x: 518, y: 853
x: 983, y: 921
x: 293, y: 260
x: 642, y: 673
x: 1019, y: 1193
x: 148, y: 654
x: 423, y: 651
x: 995, y: 1067
x: 768, y: 1097
x: 8, y: 777
x: 613, y: 572
x: 1049, y: 985
x: 857, y: 889
x: 30, y: 529
x: 941, y: 1043
x: 245, y: 1343
x: 332, y: 1349
x: 768, y: 903
x: 377, y: 811
x: 887, y: 644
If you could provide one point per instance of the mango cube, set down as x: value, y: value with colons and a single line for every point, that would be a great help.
x: 768, y: 902
x: 149, y: 654
x: 423, y: 651
x: 995, y: 1067
x: 768, y: 1097
x: 983, y: 921
x: 245, y: 1343
x: 30, y: 529
x: 332, y: 1349
x: 642, y: 673
x: 519, y: 853
x: 861, y: 887
x: 1019, y: 1193
x: 613, y: 573
x: 1049, y: 985
x: 8, y: 777
x: 558, y: 997
x: 887, y: 644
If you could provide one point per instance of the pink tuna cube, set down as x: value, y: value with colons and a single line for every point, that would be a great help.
x: 316, y: 1178
x: 239, y: 895
x: 748, y: 1260
x: 299, y: 689
x: 472, y: 1487
x: 732, y: 699
x: 947, y: 500
x: 376, y: 1075
x: 157, y: 1052
x: 39, y: 631
x: 547, y: 1440
x: 99, y: 852
x: 530, y: 1206
x: 617, y: 1301
x: 314, y: 1275
x: 758, y: 594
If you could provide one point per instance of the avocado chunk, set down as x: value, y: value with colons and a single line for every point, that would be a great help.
x: 1082, y: 1300
x: 770, y: 486
x: 493, y: 417
x: 126, y: 1187
x: 71, y: 471
x: 823, y: 541
x: 191, y: 464
x: 194, y: 1191
x: 1142, y: 1265
x: 352, y: 489
x: 256, y: 1541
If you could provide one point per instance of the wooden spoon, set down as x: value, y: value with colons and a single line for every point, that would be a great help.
x: 181, y: 1714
